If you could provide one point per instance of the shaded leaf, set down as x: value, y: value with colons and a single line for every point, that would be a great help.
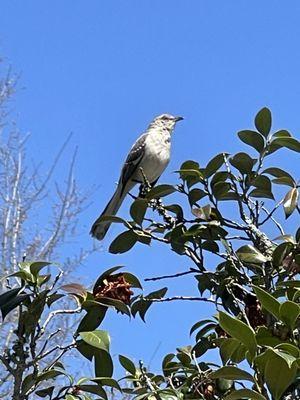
x: 288, y: 142
x: 253, y: 139
x: 124, y: 242
x: 230, y: 372
x: 127, y: 364
x: 138, y: 210
x: 245, y: 394
x: 242, y: 162
x: 160, y: 191
x: 263, y: 121
x: 214, y: 164
x: 103, y: 364
x: 289, y: 313
x: 238, y: 330
x: 195, y: 195
x: 268, y: 302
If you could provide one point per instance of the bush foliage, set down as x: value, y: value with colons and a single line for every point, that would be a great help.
x: 253, y: 286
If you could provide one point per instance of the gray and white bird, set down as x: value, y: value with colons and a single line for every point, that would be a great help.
x: 151, y: 153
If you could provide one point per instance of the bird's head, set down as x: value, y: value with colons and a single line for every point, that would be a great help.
x: 166, y: 121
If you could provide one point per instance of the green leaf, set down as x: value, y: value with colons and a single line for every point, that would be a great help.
x: 233, y: 350
x: 263, y: 121
x: 289, y: 313
x: 103, y: 364
x: 201, y: 347
x: 45, y: 392
x: 245, y: 394
x: 230, y: 372
x: 124, y: 242
x: 127, y: 364
x: 220, y: 189
x: 288, y: 142
x: 10, y: 300
x: 94, y: 389
x: 195, y: 195
x: 160, y: 191
x: 260, y: 193
x: 280, y: 174
x: 117, y: 304
x: 36, y: 266
x: 268, y: 302
x: 250, y: 254
x: 198, y: 325
x: 132, y: 279
x: 98, y: 339
x: 290, y: 202
x: 92, y: 319
x: 214, y: 165
x: 253, y: 139
x: 273, y: 146
x: 238, y: 330
x: 281, y: 252
x: 85, y: 349
x: 273, y: 360
x: 242, y: 162
x: 138, y: 210
x: 105, y: 274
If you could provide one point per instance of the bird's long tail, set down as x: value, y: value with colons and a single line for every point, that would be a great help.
x: 100, y: 228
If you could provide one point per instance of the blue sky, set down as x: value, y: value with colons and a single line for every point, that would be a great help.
x: 103, y: 69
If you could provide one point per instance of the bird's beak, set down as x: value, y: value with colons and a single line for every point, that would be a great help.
x: 178, y: 118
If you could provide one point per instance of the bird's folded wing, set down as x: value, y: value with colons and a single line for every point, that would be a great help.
x: 133, y: 160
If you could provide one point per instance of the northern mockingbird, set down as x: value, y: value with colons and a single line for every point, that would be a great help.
x: 149, y: 155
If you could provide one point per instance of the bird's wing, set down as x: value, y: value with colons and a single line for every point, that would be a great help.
x: 133, y: 160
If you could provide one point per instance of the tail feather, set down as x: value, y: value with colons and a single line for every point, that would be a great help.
x: 100, y: 228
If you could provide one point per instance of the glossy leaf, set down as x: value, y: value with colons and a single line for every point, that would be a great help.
x: 160, y: 191
x: 246, y: 394
x: 238, y: 330
x: 263, y: 121
x: 231, y: 372
x: 138, y: 210
x: 250, y: 254
x: 242, y: 162
x: 289, y: 313
x: 253, y: 139
x: 98, y: 339
x: 268, y: 302
x: 127, y: 364
x: 214, y: 165
x: 124, y: 242
x: 290, y: 201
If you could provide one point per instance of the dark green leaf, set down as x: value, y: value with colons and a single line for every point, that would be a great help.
x: 214, y: 165
x: 85, y: 349
x: 245, y: 394
x: 201, y: 347
x: 289, y: 313
x: 105, y: 274
x: 263, y: 121
x: 92, y: 319
x: 242, y: 162
x: 160, y: 191
x: 268, y: 302
x: 195, y: 195
x: 127, y: 364
x: 124, y: 242
x: 260, y: 193
x: 232, y: 349
x: 273, y: 146
x: 95, y: 389
x: 220, y: 189
x: 253, y: 139
x: 132, y: 279
x: 198, y: 325
x: 230, y: 372
x: 117, y: 304
x: 103, y: 364
x: 239, y: 330
x: 288, y: 142
x: 281, y: 175
x: 281, y: 252
x: 138, y: 210
x: 45, y: 392
x: 10, y: 300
